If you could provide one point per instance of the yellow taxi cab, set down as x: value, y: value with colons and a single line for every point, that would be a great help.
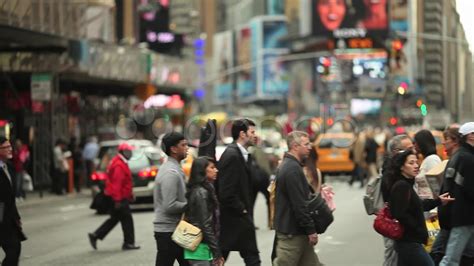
x: 439, y: 138
x: 333, y: 152
x: 188, y: 162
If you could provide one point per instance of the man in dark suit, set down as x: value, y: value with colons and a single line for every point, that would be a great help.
x: 234, y: 190
x: 11, y: 233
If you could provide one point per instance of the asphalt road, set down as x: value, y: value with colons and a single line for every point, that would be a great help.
x: 57, y: 232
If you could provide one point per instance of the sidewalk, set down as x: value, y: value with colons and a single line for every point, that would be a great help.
x: 34, y: 199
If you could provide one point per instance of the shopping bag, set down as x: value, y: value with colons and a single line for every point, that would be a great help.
x: 202, y: 252
x: 432, y: 224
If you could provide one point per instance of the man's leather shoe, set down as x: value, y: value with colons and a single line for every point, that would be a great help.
x: 130, y: 247
x: 93, y: 240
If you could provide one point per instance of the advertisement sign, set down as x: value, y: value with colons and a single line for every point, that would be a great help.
x: 292, y: 12
x: 362, y: 72
x: 222, y: 61
x: 273, y: 31
x: 276, y: 7
x: 41, y: 87
x: 276, y: 78
x: 245, y: 53
x: 350, y: 19
x: 301, y: 93
x: 399, y: 15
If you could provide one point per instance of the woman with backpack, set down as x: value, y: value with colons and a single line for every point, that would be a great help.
x: 407, y: 208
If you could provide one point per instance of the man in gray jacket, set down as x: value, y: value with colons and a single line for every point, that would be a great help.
x: 169, y: 199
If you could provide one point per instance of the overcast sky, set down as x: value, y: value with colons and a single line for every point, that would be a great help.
x: 465, y: 8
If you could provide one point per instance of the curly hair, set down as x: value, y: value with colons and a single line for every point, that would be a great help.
x: 394, y: 168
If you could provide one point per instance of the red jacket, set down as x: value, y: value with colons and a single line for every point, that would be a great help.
x: 118, y: 184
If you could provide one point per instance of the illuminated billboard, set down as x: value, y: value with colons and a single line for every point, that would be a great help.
x: 223, y: 61
x: 350, y: 19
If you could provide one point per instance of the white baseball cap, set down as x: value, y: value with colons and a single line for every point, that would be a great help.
x: 466, y: 128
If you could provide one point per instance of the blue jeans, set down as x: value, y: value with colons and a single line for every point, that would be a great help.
x: 411, y: 253
x: 439, y: 245
x: 460, y: 238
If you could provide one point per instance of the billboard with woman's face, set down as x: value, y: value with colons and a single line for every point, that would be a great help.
x: 350, y: 18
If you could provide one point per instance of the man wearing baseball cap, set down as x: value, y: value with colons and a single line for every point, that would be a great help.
x: 460, y: 184
x: 118, y: 186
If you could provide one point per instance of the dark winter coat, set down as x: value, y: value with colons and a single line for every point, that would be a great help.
x: 234, y: 192
x: 11, y: 217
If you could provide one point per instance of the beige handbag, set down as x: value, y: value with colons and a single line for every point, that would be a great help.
x: 187, y: 235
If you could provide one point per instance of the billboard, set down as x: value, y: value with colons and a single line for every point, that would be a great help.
x: 245, y: 51
x: 276, y: 77
x: 399, y: 15
x: 273, y: 31
x: 275, y: 7
x: 350, y: 19
x: 223, y: 59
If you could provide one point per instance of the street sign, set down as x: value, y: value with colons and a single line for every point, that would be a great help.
x: 41, y: 87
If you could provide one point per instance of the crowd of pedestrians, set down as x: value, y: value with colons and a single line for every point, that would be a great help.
x: 219, y: 199
x: 219, y: 196
x: 407, y: 192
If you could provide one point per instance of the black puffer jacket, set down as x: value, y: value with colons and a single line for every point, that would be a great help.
x: 407, y: 208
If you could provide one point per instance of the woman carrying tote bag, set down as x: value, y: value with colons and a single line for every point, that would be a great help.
x: 203, y: 212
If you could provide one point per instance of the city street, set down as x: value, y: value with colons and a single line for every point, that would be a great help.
x: 57, y: 231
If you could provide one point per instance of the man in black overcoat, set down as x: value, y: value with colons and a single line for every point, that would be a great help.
x: 234, y: 191
x: 11, y: 233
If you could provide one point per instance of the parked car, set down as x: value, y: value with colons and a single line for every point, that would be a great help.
x: 144, y: 165
x: 333, y: 152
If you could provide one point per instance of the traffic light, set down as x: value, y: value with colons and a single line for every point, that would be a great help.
x: 393, y: 121
x: 422, y: 106
x: 396, y: 55
x: 326, y: 64
x: 397, y: 45
x: 423, y: 109
x: 419, y: 102
x: 330, y: 121
x: 402, y: 88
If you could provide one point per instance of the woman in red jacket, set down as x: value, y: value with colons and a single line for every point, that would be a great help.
x: 118, y: 186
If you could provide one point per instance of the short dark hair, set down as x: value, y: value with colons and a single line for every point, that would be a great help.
x: 169, y: 140
x: 241, y: 125
x: 60, y: 141
x: 3, y: 140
